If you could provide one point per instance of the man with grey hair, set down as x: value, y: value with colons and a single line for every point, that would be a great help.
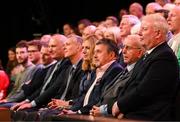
x: 126, y: 24
x: 132, y: 52
x: 149, y: 93
x: 174, y: 22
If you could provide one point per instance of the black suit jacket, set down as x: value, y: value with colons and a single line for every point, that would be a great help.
x: 108, y: 76
x: 53, y: 86
x: 74, y: 84
x: 150, y: 92
x: 36, y: 82
x: 111, y: 91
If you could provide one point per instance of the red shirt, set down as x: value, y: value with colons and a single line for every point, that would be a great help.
x: 4, y: 83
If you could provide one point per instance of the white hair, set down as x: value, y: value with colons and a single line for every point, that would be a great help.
x: 132, y: 19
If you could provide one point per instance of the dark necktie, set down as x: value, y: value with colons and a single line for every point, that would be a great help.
x: 121, y: 76
x: 145, y: 56
x: 124, y: 74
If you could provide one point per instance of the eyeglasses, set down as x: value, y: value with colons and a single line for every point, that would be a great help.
x: 129, y: 47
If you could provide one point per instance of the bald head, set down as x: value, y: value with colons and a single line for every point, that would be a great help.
x: 136, y: 9
x: 56, y: 44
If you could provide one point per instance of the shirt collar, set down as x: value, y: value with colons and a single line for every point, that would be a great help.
x: 149, y: 51
x: 105, y: 67
x: 75, y: 65
x: 46, y: 66
x: 130, y: 67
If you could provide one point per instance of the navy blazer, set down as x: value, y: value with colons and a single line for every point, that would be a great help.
x: 151, y: 90
x: 112, y: 90
x: 108, y: 76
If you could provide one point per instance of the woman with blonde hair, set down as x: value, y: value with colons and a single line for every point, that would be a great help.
x: 88, y: 52
x: 89, y: 73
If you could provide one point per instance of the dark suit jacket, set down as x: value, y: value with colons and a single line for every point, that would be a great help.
x: 74, y: 84
x: 36, y: 82
x: 150, y: 92
x: 111, y: 91
x: 53, y: 86
x: 86, y: 82
x: 109, y: 74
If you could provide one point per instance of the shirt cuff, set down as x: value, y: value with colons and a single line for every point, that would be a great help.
x: 103, y: 109
x: 70, y: 102
x: 79, y: 112
x: 33, y: 103
x: 27, y: 100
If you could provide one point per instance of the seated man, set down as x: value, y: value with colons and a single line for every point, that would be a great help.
x: 150, y: 92
x: 105, y: 55
x: 66, y: 84
x: 24, y: 76
x: 132, y: 52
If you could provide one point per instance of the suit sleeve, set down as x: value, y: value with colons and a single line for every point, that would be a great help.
x: 156, y: 83
x: 51, y: 91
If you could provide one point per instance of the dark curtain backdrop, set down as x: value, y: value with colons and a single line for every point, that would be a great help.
x: 21, y: 18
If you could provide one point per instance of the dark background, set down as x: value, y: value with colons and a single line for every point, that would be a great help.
x: 20, y: 19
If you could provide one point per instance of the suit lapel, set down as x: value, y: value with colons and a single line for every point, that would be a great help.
x: 110, y: 84
x: 142, y: 65
x: 107, y: 72
x: 77, y: 70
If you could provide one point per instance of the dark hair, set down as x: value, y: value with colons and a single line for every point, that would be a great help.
x: 165, y: 12
x: 75, y: 30
x: 86, y: 22
x: 21, y: 44
x: 112, y: 46
x: 36, y: 43
x: 13, y: 49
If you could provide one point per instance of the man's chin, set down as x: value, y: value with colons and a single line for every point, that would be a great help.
x: 97, y: 65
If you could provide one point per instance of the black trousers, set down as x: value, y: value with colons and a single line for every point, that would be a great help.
x: 25, y: 115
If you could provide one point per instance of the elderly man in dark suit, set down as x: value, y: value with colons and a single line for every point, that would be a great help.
x: 149, y: 93
x: 132, y: 52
